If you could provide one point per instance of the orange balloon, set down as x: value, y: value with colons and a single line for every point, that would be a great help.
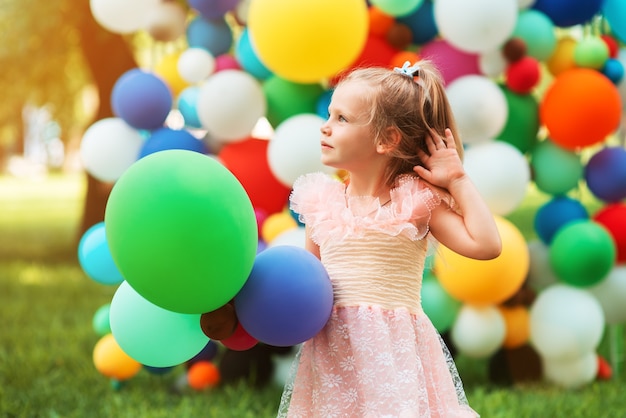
x: 202, y: 375
x: 517, y: 322
x: 485, y: 282
x: 563, y: 56
x: 112, y: 362
x: 401, y: 57
x: 380, y: 22
x: 580, y: 108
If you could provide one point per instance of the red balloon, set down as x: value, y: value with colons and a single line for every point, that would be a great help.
x: 580, y: 108
x: 522, y: 75
x: 247, y: 160
x: 613, y: 218
x: 377, y: 52
x: 240, y: 340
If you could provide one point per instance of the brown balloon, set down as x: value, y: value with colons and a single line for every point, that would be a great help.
x: 514, y: 49
x: 220, y: 323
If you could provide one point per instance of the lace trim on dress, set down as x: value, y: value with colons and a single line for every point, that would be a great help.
x: 320, y: 203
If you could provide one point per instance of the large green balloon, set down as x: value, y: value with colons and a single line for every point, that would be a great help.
x: 556, y: 170
x: 152, y: 335
x: 182, y: 231
x: 522, y: 124
x: 582, y: 253
x: 441, y: 308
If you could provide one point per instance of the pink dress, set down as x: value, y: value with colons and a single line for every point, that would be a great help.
x: 379, y: 355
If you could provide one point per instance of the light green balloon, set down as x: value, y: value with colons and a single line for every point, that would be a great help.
x: 591, y: 52
x: 556, y: 170
x: 182, y: 231
x: 151, y: 335
x: 286, y: 98
x: 397, y: 8
x: 439, y: 306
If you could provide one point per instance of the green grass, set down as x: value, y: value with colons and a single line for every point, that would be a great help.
x: 47, y: 340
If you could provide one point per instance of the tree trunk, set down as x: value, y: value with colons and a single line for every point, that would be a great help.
x: 108, y: 56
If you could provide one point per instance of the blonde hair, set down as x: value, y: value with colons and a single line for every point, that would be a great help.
x: 413, y: 106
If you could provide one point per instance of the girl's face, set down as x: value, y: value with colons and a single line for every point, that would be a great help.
x: 347, y: 139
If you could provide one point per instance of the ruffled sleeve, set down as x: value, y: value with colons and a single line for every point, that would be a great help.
x: 322, y: 205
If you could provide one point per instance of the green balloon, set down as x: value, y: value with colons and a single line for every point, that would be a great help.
x: 522, y: 123
x: 100, y: 320
x: 582, y: 253
x: 439, y: 306
x: 286, y: 98
x: 591, y: 52
x: 182, y: 231
x: 556, y: 170
x: 151, y: 335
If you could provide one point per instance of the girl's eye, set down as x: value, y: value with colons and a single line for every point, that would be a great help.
x: 341, y: 119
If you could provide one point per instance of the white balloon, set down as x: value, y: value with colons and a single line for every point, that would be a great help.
x: 122, y: 16
x: 540, y: 272
x: 230, y: 104
x: 479, y: 106
x: 492, y: 63
x: 166, y: 22
x: 476, y: 25
x: 294, y: 148
x: 611, y: 293
x: 108, y: 147
x: 565, y: 322
x: 501, y: 174
x: 571, y: 373
x: 478, y: 331
x: 295, y: 237
x: 195, y: 64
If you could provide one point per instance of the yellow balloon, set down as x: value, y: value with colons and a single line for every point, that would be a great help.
x: 276, y: 224
x: 563, y: 56
x: 306, y: 41
x: 486, y: 282
x: 111, y: 361
x: 167, y: 69
x: 517, y: 322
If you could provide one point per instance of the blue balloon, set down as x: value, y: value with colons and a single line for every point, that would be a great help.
x: 165, y: 139
x: 555, y: 214
x: 566, y: 13
x: 214, y: 35
x: 613, y: 70
x: 287, y: 298
x: 95, y: 257
x: 248, y: 59
x: 141, y: 99
x: 422, y: 23
x: 208, y: 353
x: 321, y: 107
x: 605, y: 174
x: 187, y: 102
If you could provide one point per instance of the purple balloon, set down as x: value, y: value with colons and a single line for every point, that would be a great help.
x: 605, y: 174
x: 166, y: 138
x: 141, y: 99
x: 287, y: 298
x: 213, y: 9
x: 452, y: 62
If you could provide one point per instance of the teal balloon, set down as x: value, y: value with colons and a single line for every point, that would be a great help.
x: 100, y: 320
x: 556, y: 170
x: 438, y: 305
x: 151, y: 335
x: 582, y: 253
x: 537, y: 31
x: 397, y: 8
x: 182, y: 231
x: 522, y: 125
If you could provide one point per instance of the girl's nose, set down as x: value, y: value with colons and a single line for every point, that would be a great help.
x: 324, y: 129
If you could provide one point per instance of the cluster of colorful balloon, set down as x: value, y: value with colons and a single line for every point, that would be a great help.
x: 536, y: 86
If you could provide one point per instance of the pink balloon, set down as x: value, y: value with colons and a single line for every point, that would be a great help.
x: 452, y: 62
x: 226, y: 62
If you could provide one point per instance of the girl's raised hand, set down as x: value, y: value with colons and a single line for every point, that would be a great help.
x: 442, y: 164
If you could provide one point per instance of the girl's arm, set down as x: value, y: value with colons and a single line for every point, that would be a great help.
x: 470, y: 230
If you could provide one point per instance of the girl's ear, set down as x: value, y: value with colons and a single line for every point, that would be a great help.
x: 392, y: 140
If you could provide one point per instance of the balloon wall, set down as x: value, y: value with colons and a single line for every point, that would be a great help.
x: 206, y: 143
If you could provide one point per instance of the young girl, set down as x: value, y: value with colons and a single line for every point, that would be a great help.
x: 379, y: 355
